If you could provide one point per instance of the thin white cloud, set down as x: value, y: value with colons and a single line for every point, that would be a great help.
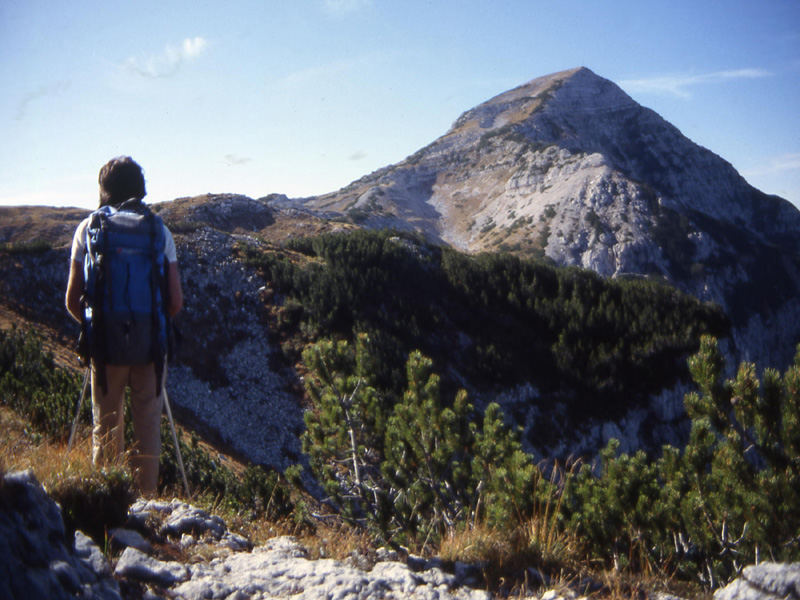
x: 43, y: 91
x: 235, y: 160
x: 681, y: 85
x: 777, y: 164
x: 346, y: 6
x: 315, y: 74
x: 169, y: 60
x: 193, y: 47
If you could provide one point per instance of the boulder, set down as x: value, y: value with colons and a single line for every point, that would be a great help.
x: 765, y: 581
x: 37, y: 559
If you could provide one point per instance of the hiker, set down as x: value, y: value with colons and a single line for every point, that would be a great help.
x: 125, y: 343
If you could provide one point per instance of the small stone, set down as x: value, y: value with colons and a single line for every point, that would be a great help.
x: 127, y: 538
x: 87, y: 551
x: 66, y: 575
x: 236, y: 542
x: 137, y: 565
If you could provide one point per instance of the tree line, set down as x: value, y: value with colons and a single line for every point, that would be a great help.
x: 502, y: 319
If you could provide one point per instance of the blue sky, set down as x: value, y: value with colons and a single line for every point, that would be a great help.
x: 302, y: 97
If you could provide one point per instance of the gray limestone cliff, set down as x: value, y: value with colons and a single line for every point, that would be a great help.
x: 571, y: 168
x: 197, y: 557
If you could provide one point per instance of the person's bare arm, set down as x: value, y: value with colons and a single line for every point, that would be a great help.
x: 175, y: 290
x: 75, y: 290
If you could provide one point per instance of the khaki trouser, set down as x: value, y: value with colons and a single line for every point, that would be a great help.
x: 108, y: 410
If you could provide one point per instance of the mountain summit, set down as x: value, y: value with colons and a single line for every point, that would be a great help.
x: 569, y: 167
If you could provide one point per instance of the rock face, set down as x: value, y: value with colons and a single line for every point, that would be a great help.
x: 226, y: 212
x: 281, y: 569
x: 570, y: 167
x: 766, y: 581
x: 36, y: 558
x: 39, y: 562
x: 227, y: 378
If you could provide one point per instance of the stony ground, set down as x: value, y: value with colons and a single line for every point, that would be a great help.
x: 171, y: 549
x: 176, y: 550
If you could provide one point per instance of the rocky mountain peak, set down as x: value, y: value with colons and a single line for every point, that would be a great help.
x: 570, y: 168
x: 575, y: 92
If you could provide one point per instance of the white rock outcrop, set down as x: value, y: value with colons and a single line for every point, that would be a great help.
x: 766, y: 581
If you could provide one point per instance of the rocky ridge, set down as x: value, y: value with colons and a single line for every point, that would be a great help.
x: 229, y: 374
x: 569, y: 167
x: 176, y: 550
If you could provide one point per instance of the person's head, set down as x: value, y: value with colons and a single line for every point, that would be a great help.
x: 121, y: 179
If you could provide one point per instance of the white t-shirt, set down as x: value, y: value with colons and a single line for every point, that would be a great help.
x: 79, y: 243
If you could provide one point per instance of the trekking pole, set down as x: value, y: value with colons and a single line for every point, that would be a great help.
x: 78, y: 409
x: 175, y: 441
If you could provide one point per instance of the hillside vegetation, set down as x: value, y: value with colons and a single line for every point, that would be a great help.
x: 436, y: 479
x: 492, y: 320
x: 387, y: 331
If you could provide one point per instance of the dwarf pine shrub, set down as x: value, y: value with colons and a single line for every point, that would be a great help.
x: 413, y: 470
x: 730, y: 498
x: 516, y: 320
x: 32, y: 384
x: 421, y: 469
x: 742, y: 464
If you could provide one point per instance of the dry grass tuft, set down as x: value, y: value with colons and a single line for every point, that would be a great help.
x: 337, y: 540
x: 91, y: 499
x: 542, y: 536
x: 477, y: 543
x: 21, y: 448
x: 546, y: 543
x: 539, y: 541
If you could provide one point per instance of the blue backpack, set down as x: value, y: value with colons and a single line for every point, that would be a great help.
x: 125, y: 319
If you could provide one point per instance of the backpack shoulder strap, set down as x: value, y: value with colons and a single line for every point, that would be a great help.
x: 96, y: 252
x: 159, y: 311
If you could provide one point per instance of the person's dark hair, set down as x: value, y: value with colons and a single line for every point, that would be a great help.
x: 121, y: 179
